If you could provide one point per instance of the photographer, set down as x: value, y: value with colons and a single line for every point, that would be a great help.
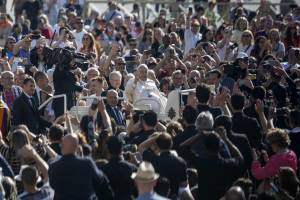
x: 65, y: 83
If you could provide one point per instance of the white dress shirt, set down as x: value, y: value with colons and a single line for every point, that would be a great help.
x: 190, y: 40
x: 78, y: 38
x: 134, y: 91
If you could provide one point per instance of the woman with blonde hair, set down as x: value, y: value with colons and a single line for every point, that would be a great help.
x: 246, y: 44
x: 278, y: 48
x: 89, y: 44
x: 44, y: 26
x: 240, y: 26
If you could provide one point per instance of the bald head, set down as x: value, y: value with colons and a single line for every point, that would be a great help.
x: 235, y: 193
x: 70, y: 144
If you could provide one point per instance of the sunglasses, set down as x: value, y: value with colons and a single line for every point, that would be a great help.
x: 85, y: 38
x: 246, y: 36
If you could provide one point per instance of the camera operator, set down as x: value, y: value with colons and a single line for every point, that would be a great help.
x: 65, y: 83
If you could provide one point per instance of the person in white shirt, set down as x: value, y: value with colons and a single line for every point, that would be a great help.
x: 278, y: 49
x: 136, y: 87
x: 241, y: 25
x: 64, y: 40
x: 246, y: 44
x: 191, y: 34
x: 225, y: 47
x: 95, y: 88
x: 78, y: 32
x: 112, y: 12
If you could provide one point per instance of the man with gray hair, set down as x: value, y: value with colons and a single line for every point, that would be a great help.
x: 10, y: 91
x: 204, y: 121
x: 112, y: 108
x: 140, y: 86
x: 115, y: 83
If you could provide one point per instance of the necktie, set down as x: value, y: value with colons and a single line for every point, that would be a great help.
x: 40, y: 97
x: 31, y: 100
x: 119, y: 119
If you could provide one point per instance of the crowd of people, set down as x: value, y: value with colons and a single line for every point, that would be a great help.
x: 238, y: 134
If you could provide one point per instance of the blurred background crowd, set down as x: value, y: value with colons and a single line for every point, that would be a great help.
x: 233, y: 132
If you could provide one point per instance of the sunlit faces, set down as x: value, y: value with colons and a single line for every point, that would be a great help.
x: 112, y: 98
x: 115, y: 80
x: 143, y: 72
x: 177, y: 78
x: 242, y: 24
x: 7, y: 80
x: 247, y: 37
x: 29, y: 88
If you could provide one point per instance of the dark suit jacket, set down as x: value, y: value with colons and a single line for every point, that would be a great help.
x: 215, y: 173
x: 24, y: 113
x: 188, y: 132
x: 64, y: 83
x: 119, y: 172
x: 74, y: 178
x: 242, y: 143
x: 213, y: 110
x: 243, y: 124
x: 112, y: 114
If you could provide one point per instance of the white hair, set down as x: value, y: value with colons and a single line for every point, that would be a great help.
x: 142, y: 66
x: 115, y: 73
x: 90, y: 69
x: 204, y: 121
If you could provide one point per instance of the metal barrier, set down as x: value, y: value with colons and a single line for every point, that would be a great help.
x: 55, y: 97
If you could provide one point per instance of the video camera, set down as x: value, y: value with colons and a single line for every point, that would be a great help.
x: 62, y: 58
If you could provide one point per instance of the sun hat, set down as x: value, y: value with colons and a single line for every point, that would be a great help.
x: 145, y: 173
